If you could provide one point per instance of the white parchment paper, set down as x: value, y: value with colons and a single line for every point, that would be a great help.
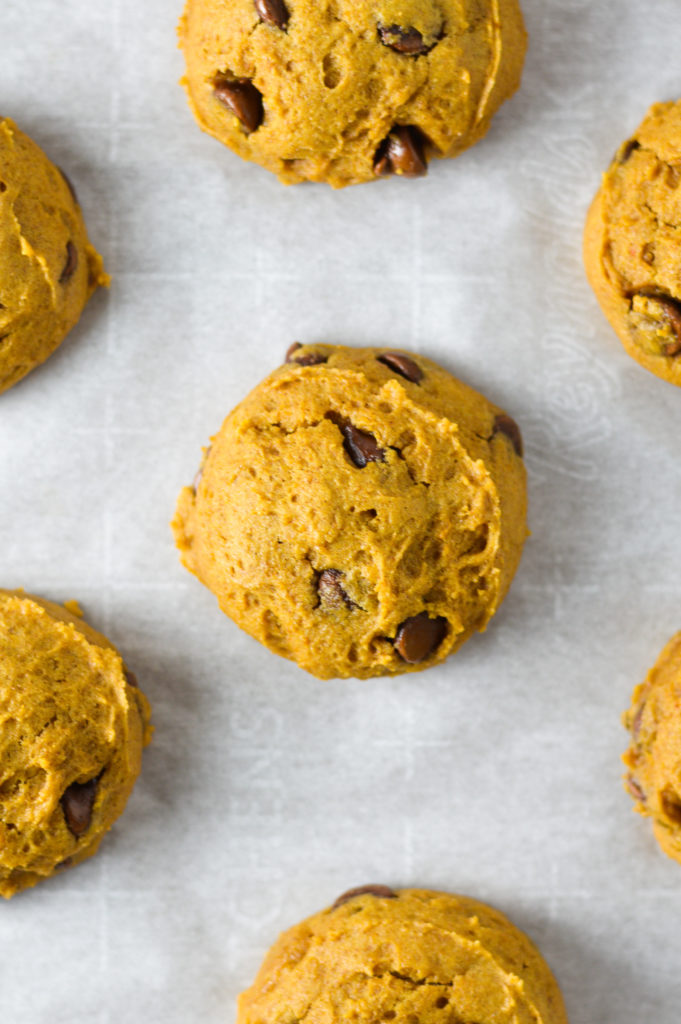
x: 266, y: 792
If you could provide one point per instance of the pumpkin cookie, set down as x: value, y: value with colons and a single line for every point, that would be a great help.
x: 72, y: 727
x: 345, y: 91
x: 48, y: 269
x: 361, y: 512
x: 654, y: 757
x: 404, y: 956
x: 631, y: 243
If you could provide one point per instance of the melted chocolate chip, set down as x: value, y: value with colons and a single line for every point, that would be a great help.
x: 401, y: 153
x: 272, y: 12
x: 403, y: 365
x: 330, y: 589
x: 403, y: 40
x: 361, y: 446
x: 309, y: 359
x: 69, y: 185
x: 382, y: 892
x: 504, y: 424
x: 419, y: 636
x: 77, y: 803
x: 71, y: 264
x: 242, y: 98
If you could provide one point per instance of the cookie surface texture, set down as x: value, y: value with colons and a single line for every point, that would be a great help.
x: 361, y: 512
x: 419, y: 956
x: 631, y: 243
x: 345, y: 91
x: 72, y: 727
x: 48, y: 269
x: 654, y: 756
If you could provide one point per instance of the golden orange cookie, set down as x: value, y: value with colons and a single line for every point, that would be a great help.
x: 346, y: 91
x: 631, y: 243
x: 654, y: 756
x: 72, y: 726
x: 361, y: 511
x: 408, y: 955
x: 48, y: 269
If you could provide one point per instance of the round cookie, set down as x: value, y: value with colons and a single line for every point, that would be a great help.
x: 48, y: 269
x: 654, y: 757
x: 345, y: 91
x: 405, y: 956
x: 631, y: 243
x: 72, y: 727
x: 361, y: 512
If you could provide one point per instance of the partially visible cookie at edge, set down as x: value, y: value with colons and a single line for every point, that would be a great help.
x: 73, y: 722
x: 653, y: 759
x: 349, y: 91
x: 48, y: 268
x: 404, y: 955
x: 631, y: 243
x: 361, y: 511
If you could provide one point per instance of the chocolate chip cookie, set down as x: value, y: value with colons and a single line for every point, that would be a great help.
x: 407, y: 956
x: 72, y: 726
x: 631, y: 243
x: 347, y: 91
x: 48, y: 269
x: 361, y: 512
x: 653, y: 759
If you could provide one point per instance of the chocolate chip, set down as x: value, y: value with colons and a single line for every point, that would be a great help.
x: 504, y: 424
x: 330, y: 589
x: 419, y: 636
x: 77, y: 803
x: 272, y: 12
x: 382, y: 892
x: 241, y: 97
x: 404, y: 40
x: 401, y: 153
x: 634, y: 788
x: 671, y: 805
x: 3, y: 187
x: 361, y: 446
x: 403, y: 365
x: 69, y: 185
x: 626, y: 150
x: 71, y: 264
x: 310, y: 359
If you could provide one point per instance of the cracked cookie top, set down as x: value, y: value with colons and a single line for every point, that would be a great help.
x: 48, y: 269
x: 346, y: 91
x: 72, y: 726
x: 361, y: 512
x: 632, y: 251
x: 411, y: 956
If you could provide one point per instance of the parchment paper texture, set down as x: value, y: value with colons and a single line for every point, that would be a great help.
x: 265, y: 792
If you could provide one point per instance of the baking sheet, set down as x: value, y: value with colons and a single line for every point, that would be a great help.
x: 266, y: 792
